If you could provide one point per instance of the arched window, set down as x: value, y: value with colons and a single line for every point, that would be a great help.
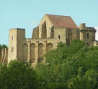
x: 44, y: 30
x: 40, y: 52
x: 49, y: 46
x: 32, y: 53
x: 25, y: 52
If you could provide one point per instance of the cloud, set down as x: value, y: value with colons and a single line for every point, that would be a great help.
x: 96, y: 35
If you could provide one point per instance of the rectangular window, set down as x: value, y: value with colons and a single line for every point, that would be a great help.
x: 12, y: 37
x: 87, y: 35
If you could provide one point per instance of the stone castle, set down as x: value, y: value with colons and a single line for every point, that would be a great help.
x: 51, y: 30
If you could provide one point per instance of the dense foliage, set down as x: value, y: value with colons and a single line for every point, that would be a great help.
x: 17, y: 75
x: 70, y: 67
x: 73, y: 66
x: 3, y: 46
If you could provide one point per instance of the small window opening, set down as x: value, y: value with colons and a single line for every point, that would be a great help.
x: 12, y: 37
x: 87, y: 35
x: 59, y: 37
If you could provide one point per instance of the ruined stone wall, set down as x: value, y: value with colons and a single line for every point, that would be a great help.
x: 87, y: 34
x: 75, y: 34
x: 49, y: 25
x: 44, y: 38
x: 71, y: 34
x: 4, y: 55
x: 35, y: 49
x: 12, y: 54
x: 32, y: 53
x: 35, y: 33
x: 83, y: 37
x: 20, y: 37
x: 25, y: 52
x: 16, y: 37
x: 59, y: 36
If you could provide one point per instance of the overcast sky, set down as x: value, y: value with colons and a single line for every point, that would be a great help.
x: 28, y: 13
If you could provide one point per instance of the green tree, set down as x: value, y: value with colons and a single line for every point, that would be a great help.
x: 59, y: 65
x: 18, y: 75
x: 3, y: 46
x: 92, y: 78
x: 73, y: 67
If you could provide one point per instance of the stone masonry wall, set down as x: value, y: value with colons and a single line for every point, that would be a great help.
x: 48, y: 26
x: 4, y: 55
x: 16, y: 37
x: 35, y: 33
x: 36, y: 48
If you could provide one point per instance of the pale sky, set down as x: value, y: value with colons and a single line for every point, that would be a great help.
x: 28, y: 13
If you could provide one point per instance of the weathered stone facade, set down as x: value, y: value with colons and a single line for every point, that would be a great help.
x: 51, y: 30
x: 4, y: 55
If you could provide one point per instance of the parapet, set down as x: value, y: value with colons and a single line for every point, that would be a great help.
x: 82, y: 25
x: 17, y: 29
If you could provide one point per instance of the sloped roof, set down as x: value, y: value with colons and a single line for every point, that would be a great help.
x: 62, y: 21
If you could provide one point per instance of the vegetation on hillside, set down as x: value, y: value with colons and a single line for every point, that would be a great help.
x: 70, y: 67
x: 67, y: 67
x: 17, y: 75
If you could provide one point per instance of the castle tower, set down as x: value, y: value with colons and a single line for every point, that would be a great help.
x: 87, y: 34
x: 16, y: 37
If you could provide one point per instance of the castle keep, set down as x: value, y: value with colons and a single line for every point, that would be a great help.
x: 51, y: 30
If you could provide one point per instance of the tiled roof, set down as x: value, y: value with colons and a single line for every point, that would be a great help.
x: 62, y: 21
